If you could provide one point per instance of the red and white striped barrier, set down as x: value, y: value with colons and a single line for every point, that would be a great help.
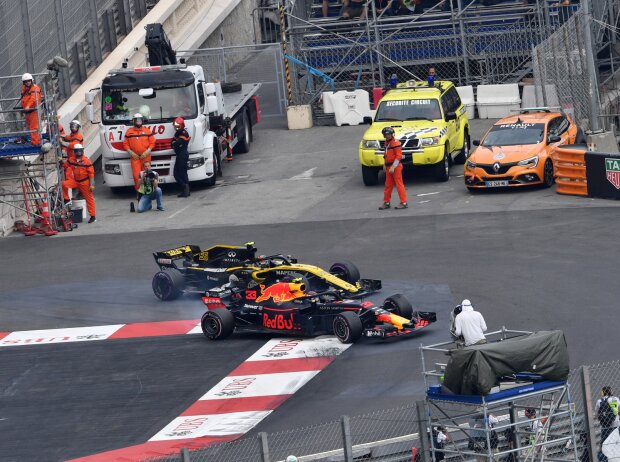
x: 238, y: 402
x: 231, y: 408
x: 89, y: 334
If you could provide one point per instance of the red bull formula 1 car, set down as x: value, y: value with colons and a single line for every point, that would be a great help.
x: 188, y: 269
x: 290, y: 308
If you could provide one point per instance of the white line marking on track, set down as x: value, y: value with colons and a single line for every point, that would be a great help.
x: 178, y: 211
x: 304, y: 175
x: 423, y: 202
x: 459, y: 176
x: 428, y: 194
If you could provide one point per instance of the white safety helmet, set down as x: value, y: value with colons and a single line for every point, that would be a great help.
x: 74, y: 123
x: 137, y: 116
x: 291, y: 459
x: 78, y: 147
x: 466, y: 304
x: 27, y: 76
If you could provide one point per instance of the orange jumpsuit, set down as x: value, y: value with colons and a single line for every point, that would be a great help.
x: 82, y: 171
x: 72, y: 139
x: 31, y: 98
x: 138, y: 140
x: 393, y: 152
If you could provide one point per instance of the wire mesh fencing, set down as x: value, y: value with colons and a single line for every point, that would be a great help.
x: 246, y: 64
x: 562, y: 70
x: 35, y: 31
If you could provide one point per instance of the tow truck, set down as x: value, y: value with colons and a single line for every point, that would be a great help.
x: 218, y: 116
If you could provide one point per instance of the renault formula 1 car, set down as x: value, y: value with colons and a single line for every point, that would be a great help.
x: 290, y: 308
x: 188, y: 269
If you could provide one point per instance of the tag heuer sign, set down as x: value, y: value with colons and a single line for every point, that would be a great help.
x: 612, y: 167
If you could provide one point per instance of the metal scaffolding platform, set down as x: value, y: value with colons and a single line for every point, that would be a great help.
x: 31, y: 175
x: 523, y: 419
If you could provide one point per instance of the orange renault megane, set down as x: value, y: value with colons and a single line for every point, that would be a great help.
x: 518, y: 149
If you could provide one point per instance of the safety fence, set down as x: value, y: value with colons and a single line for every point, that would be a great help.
x: 565, y: 64
x: 394, y: 435
x: 80, y: 31
x: 466, y: 42
x: 246, y: 64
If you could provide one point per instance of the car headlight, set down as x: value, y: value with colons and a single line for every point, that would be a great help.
x: 195, y: 162
x: 433, y: 140
x: 371, y: 144
x: 530, y: 163
x: 113, y: 169
x: 471, y: 164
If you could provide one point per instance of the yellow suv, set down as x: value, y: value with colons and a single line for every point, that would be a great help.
x: 430, y: 122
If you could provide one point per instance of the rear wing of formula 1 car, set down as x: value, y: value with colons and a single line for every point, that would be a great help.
x: 167, y: 258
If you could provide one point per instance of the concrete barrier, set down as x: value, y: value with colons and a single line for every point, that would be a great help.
x: 497, y: 101
x: 467, y: 98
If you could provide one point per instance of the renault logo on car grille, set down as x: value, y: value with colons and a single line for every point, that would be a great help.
x: 496, y: 167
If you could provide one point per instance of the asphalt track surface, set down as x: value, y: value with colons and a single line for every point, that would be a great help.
x: 525, y: 269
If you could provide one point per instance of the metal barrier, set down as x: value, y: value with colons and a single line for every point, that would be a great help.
x: 246, y: 64
x: 570, y: 169
x: 465, y: 42
x: 565, y: 71
x: 392, y: 435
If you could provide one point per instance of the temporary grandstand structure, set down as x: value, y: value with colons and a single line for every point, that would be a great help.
x: 31, y: 175
x: 528, y: 415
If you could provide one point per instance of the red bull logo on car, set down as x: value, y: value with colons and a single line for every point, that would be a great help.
x: 281, y: 292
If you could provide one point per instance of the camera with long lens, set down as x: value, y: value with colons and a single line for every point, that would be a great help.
x: 150, y: 175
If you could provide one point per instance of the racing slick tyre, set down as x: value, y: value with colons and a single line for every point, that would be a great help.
x: 231, y: 87
x: 464, y: 154
x: 580, y: 138
x: 345, y: 270
x: 548, y: 178
x: 243, y: 144
x: 168, y: 284
x: 370, y: 175
x: 442, y: 169
x: 217, y: 324
x: 348, y: 327
x: 398, y: 304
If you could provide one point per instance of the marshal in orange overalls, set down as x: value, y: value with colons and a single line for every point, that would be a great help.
x: 81, y: 177
x: 138, y: 140
x: 31, y: 98
x: 393, y: 152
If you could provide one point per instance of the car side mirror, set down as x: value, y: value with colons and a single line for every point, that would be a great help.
x: 451, y: 115
x: 555, y: 139
x: 476, y: 142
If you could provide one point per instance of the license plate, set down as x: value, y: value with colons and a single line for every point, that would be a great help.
x: 496, y: 183
x: 161, y: 179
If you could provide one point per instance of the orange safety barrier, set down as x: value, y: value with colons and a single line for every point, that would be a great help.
x: 570, y: 170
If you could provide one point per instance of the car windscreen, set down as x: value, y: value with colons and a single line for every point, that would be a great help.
x: 514, y: 134
x: 164, y: 105
x: 408, y: 109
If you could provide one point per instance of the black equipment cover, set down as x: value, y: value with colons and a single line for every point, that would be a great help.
x: 474, y: 370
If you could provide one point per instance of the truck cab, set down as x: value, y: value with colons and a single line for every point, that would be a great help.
x: 160, y: 94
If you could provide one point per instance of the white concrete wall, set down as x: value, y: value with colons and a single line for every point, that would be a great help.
x: 236, y: 29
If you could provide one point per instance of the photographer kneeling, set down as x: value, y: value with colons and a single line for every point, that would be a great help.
x: 149, y: 189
